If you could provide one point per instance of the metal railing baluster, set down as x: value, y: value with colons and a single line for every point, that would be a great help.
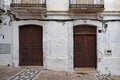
x: 84, y: 5
x: 28, y: 1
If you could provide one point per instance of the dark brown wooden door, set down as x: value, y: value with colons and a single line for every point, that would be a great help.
x: 85, y: 46
x: 30, y: 45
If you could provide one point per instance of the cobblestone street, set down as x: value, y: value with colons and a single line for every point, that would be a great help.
x: 7, y: 72
x: 12, y: 73
x: 58, y: 75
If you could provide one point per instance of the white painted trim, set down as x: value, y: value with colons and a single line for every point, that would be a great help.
x: 15, y: 38
x: 111, y: 57
x: 90, y: 22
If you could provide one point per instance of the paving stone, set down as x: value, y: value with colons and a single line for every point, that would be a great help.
x: 27, y: 74
x: 7, y: 72
x: 36, y: 73
x: 103, y: 77
x: 115, y: 77
x: 60, y: 75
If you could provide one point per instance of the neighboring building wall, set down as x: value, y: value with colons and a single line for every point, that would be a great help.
x: 1, y: 4
x: 5, y: 39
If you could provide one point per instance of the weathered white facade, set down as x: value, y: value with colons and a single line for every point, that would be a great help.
x: 58, y: 48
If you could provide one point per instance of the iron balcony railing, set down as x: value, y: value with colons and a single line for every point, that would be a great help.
x: 28, y: 3
x: 28, y: 9
x: 86, y: 1
x: 86, y: 5
x: 1, y: 6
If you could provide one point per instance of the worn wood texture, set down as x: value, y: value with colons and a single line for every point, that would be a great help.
x: 85, y: 46
x: 31, y: 53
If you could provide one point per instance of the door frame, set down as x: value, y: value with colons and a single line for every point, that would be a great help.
x: 41, y: 40
x: 15, y: 40
x: 73, y: 44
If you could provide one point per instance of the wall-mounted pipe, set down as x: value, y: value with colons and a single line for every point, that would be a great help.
x: 0, y: 21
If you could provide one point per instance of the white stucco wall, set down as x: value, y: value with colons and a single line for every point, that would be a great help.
x: 6, y: 30
x: 110, y: 64
x: 57, y: 5
x: 57, y: 50
x: 112, y: 5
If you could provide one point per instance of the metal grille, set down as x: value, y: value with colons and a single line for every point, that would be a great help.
x: 28, y: 1
x: 86, y: 1
x: 86, y: 6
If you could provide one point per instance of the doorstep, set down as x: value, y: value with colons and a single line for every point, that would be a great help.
x: 85, y: 70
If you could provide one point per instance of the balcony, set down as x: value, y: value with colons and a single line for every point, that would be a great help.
x: 28, y: 8
x: 86, y: 6
x: 1, y: 6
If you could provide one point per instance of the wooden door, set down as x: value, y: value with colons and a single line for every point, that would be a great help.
x: 85, y: 46
x: 30, y: 45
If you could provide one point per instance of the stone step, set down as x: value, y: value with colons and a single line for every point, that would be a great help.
x: 85, y: 70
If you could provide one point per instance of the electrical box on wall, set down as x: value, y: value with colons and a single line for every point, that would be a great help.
x: 108, y: 52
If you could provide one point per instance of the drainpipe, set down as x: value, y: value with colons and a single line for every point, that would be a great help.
x: 12, y: 45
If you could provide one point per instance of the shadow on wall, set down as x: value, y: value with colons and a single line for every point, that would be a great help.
x: 0, y: 21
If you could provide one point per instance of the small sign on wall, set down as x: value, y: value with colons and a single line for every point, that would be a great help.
x: 5, y: 48
x: 108, y: 52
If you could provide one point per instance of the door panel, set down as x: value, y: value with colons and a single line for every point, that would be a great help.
x: 30, y: 44
x: 84, y: 46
